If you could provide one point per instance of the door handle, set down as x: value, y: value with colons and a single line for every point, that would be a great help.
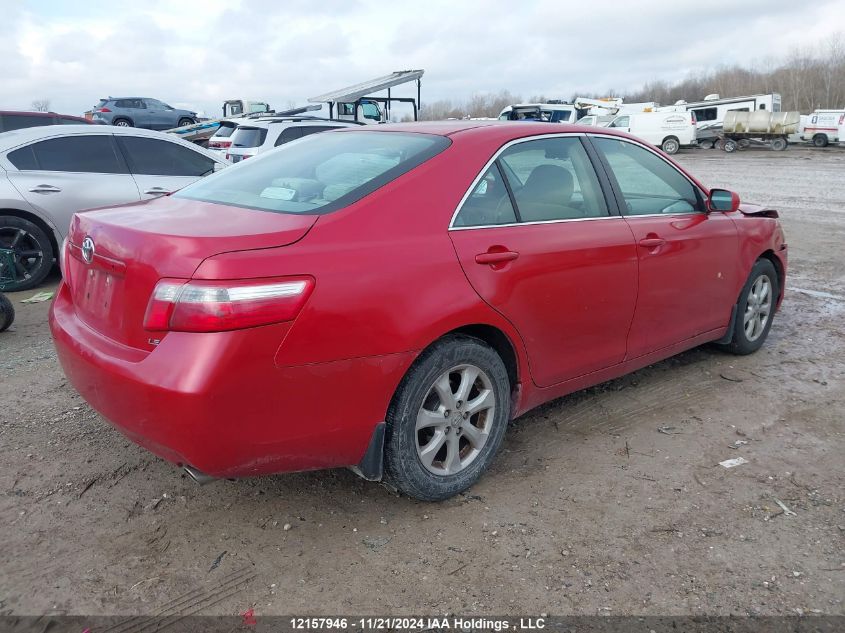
x: 45, y: 189
x: 652, y: 242
x: 495, y: 257
x: 156, y: 191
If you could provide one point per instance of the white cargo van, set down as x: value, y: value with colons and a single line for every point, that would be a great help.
x: 823, y: 127
x: 670, y: 131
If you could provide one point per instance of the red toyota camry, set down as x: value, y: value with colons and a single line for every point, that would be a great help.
x: 387, y: 298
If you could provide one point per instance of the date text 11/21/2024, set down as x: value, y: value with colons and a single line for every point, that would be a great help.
x: 417, y: 623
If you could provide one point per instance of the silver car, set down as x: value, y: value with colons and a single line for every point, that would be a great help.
x: 49, y: 173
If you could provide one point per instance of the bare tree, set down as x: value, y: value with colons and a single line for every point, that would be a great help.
x: 40, y: 105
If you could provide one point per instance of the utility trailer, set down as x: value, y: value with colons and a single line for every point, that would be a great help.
x: 357, y: 103
x: 743, y: 129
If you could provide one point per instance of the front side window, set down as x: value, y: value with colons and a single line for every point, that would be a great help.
x: 90, y: 154
x: 623, y: 121
x: 153, y: 157
x: 489, y: 202
x: 553, y: 179
x: 318, y: 173
x: 649, y: 185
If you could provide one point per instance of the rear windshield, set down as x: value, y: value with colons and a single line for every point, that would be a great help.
x: 249, y: 137
x: 225, y: 131
x: 318, y: 173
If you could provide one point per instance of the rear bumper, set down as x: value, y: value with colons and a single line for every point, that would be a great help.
x: 219, y: 403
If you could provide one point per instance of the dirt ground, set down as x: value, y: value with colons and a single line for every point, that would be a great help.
x: 610, y: 501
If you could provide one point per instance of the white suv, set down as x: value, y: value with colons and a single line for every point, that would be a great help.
x: 253, y: 137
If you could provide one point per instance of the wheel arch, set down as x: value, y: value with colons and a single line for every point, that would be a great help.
x: 779, y: 269
x: 38, y: 221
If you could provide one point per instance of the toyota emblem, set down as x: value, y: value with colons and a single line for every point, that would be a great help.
x: 88, y: 250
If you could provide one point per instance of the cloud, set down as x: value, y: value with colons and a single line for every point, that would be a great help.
x: 201, y: 52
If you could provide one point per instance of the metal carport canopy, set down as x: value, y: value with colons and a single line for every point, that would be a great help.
x: 351, y: 94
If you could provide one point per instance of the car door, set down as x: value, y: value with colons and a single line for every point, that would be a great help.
x: 60, y: 176
x: 688, y: 257
x: 160, y: 166
x: 537, y: 242
x: 161, y: 116
x: 135, y: 110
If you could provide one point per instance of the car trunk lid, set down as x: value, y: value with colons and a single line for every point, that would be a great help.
x: 117, y: 255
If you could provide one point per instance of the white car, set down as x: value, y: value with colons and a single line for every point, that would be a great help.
x: 49, y: 173
x: 260, y: 135
x: 670, y: 131
x: 221, y: 140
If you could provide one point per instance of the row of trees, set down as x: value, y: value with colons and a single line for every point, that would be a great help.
x: 806, y: 79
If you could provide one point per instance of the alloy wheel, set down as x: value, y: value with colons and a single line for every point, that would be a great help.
x: 455, y: 420
x: 758, y: 308
x: 21, y: 255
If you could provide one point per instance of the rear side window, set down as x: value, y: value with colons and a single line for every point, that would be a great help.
x: 249, y: 137
x: 318, y: 174
x: 130, y: 103
x: 288, y: 134
x: 87, y: 154
x: 489, y: 202
x: 153, y: 157
x: 553, y: 179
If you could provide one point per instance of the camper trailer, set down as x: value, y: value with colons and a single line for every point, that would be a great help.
x: 712, y: 110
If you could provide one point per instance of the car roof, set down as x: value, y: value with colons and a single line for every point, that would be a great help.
x: 15, y: 138
x: 494, y: 131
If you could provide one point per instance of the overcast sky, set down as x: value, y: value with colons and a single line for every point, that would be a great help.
x: 201, y: 52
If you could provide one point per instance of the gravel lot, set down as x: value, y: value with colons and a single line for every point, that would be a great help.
x: 588, y: 510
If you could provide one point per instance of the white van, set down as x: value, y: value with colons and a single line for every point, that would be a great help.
x: 670, y: 131
x: 823, y: 127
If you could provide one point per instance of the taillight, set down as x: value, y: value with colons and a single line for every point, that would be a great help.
x: 219, y: 144
x: 102, y: 110
x: 694, y: 119
x: 214, y: 306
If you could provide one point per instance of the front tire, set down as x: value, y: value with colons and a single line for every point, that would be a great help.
x: 185, y: 121
x: 755, y: 309
x: 26, y: 254
x: 447, y: 419
x: 730, y: 145
x: 780, y: 144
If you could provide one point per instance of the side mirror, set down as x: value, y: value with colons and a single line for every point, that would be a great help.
x: 723, y: 200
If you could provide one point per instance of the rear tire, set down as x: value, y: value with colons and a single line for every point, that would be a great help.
x: 32, y: 254
x: 671, y: 145
x: 730, y: 146
x: 820, y: 140
x: 122, y: 123
x: 755, y: 309
x: 7, y: 312
x: 447, y: 419
x: 779, y: 144
x: 706, y: 144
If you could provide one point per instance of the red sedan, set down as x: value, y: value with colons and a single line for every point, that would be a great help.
x: 388, y: 298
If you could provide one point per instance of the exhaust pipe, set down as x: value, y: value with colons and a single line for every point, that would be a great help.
x: 198, y: 476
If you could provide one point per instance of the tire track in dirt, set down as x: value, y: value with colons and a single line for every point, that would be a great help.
x: 189, y: 603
